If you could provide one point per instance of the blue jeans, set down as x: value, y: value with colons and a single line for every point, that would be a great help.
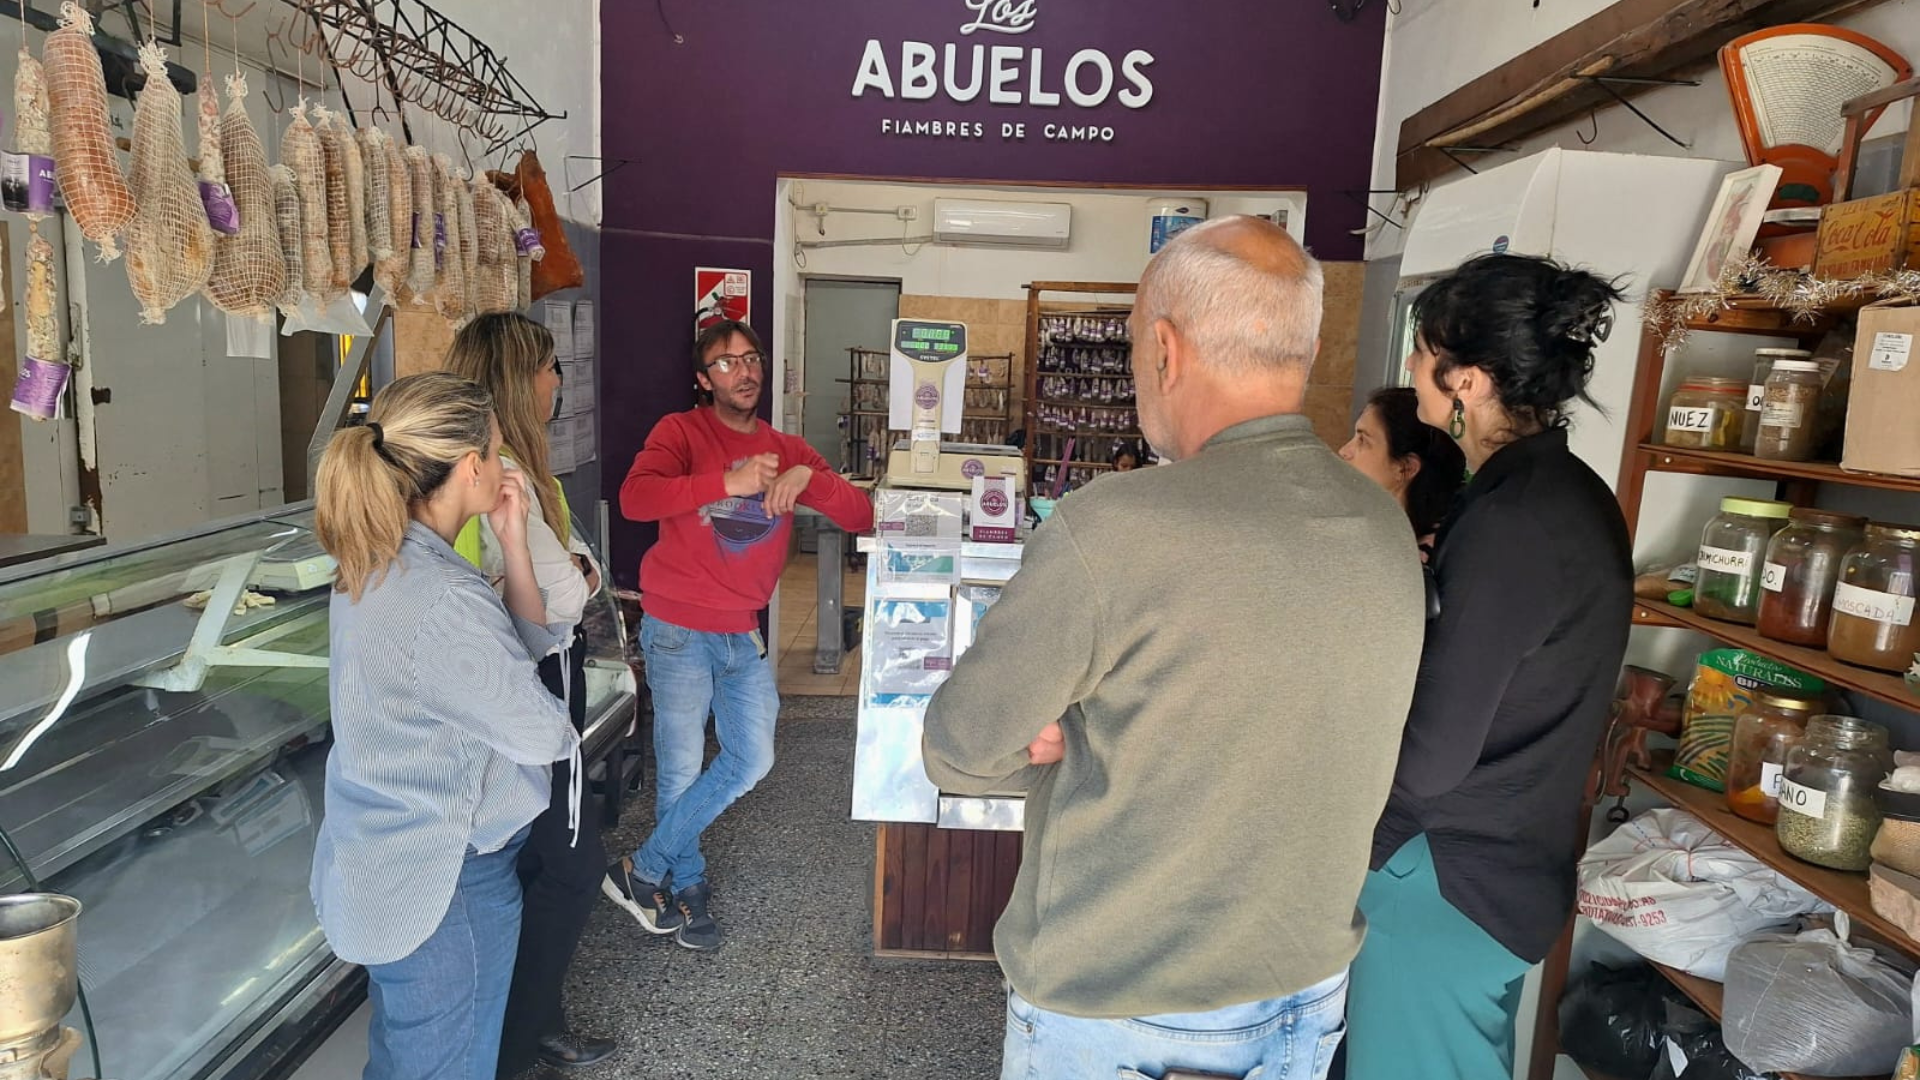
x: 1289, y: 1038
x: 690, y: 674
x: 437, y: 1011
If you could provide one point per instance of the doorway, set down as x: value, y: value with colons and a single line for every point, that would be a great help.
x: 841, y: 314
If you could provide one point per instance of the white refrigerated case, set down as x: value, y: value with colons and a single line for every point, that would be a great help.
x: 1618, y: 215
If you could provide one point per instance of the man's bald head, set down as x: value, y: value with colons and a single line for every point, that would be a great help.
x: 1241, y: 291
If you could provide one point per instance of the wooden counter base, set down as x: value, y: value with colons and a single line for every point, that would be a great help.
x: 937, y: 892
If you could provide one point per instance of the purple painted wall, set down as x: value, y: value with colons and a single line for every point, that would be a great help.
x: 1261, y: 93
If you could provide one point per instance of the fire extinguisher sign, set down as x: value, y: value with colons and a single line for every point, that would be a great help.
x: 720, y: 295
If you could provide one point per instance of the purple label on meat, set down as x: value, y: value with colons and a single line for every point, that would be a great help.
x: 525, y: 240
x: 222, y: 213
x: 27, y: 183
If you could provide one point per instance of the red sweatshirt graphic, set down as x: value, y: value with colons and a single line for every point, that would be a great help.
x: 719, y: 556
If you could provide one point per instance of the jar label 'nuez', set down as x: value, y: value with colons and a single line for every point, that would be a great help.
x: 1685, y: 419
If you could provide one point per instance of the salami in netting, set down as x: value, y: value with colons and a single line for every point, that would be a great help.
x: 423, y: 273
x: 169, y: 244
x: 451, y: 296
x: 287, y: 224
x: 300, y: 151
x: 249, y: 270
x: 356, y: 195
x: 377, y: 195
x: 96, y: 192
x: 339, y: 227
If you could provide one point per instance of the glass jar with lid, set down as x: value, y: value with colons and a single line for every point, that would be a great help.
x: 1770, y: 727
x: 1873, y: 619
x: 1790, y: 411
x: 1828, y: 813
x: 1707, y: 413
x: 1763, y: 361
x: 1801, y: 569
x: 1733, y: 549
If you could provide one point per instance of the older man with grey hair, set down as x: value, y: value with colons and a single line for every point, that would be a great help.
x: 1198, y: 679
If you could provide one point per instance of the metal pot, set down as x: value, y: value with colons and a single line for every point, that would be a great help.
x: 39, y: 973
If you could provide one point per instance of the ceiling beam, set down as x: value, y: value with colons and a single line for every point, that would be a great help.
x: 1552, y: 84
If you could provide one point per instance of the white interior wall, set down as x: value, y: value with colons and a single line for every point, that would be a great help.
x: 1109, y: 243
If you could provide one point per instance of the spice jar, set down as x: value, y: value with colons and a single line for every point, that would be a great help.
x: 1801, y: 569
x: 1763, y: 361
x: 1828, y: 814
x: 1732, y: 556
x: 1765, y: 731
x: 1707, y: 414
x: 1897, y: 844
x: 1873, y: 624
x: 1790, y: 412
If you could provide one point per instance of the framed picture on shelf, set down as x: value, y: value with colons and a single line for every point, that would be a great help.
x: 1732, y: 225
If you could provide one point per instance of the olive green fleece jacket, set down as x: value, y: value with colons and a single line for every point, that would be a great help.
x: 1229, y: 643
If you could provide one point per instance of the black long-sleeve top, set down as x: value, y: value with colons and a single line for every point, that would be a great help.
x: 1535, y: 575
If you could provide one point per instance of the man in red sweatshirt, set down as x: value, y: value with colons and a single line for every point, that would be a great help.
x: 723, y: 487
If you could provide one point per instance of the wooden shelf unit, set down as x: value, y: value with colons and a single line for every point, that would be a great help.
x: 1092, y: 447
x: 1798, y: 483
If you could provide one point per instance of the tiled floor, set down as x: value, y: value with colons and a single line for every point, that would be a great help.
x: 799, y: 609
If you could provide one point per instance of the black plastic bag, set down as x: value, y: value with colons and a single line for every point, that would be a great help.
x: 1613, y: 1021
x: 1700, y: 1040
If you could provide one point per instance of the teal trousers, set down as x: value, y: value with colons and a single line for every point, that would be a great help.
x: 1433, y: 995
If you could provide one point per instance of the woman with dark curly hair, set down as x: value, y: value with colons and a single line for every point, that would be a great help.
x: 1473, y: 861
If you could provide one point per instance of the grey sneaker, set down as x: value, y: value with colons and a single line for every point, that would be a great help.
x: 647, y: 901
x: 697, y: 928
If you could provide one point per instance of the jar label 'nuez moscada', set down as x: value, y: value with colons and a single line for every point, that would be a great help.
x: 1873, y: 605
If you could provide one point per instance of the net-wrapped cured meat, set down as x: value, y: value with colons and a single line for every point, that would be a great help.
x: 357, y: 237
x: 96, y: 192
x: 377, y: 195
x: 169, y: 243
x: 300, y: 151
x: 287, y: 224
x: 494, y: 289
x: 339, y: 227
x: 423, y: 271
x: 250, y: 269
x: 451, y: 296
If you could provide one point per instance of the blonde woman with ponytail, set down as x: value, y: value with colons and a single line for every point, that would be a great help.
x: 443, y: 733
x: 560, y: 866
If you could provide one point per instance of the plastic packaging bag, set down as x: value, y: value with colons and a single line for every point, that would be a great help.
x: 1812, y: 1003
x: 1612, y: 1020
x: 1679, y: 894
x: 912, y: 643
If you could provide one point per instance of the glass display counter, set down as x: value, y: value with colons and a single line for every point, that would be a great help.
x: 163, y: 741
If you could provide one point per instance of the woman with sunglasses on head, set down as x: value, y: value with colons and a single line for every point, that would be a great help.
x: 1473, y: 862
x: 561, y: 864
x: 443, y: 734
x: 1420, y: 466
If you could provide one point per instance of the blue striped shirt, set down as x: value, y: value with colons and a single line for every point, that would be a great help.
x: 444, y: 738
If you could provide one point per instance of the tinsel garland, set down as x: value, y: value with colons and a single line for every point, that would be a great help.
x: 1799, y: 294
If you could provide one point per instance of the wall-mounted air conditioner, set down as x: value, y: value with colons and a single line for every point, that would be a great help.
x: 1002, y: 224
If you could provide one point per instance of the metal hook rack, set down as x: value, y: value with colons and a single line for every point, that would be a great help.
x: 427, y: 60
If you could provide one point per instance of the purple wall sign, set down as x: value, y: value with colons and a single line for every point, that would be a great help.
x: 1203, y: 94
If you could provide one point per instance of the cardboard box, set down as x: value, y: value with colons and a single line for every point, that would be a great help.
x: 1868, y: 236
x: 1882, y: 435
